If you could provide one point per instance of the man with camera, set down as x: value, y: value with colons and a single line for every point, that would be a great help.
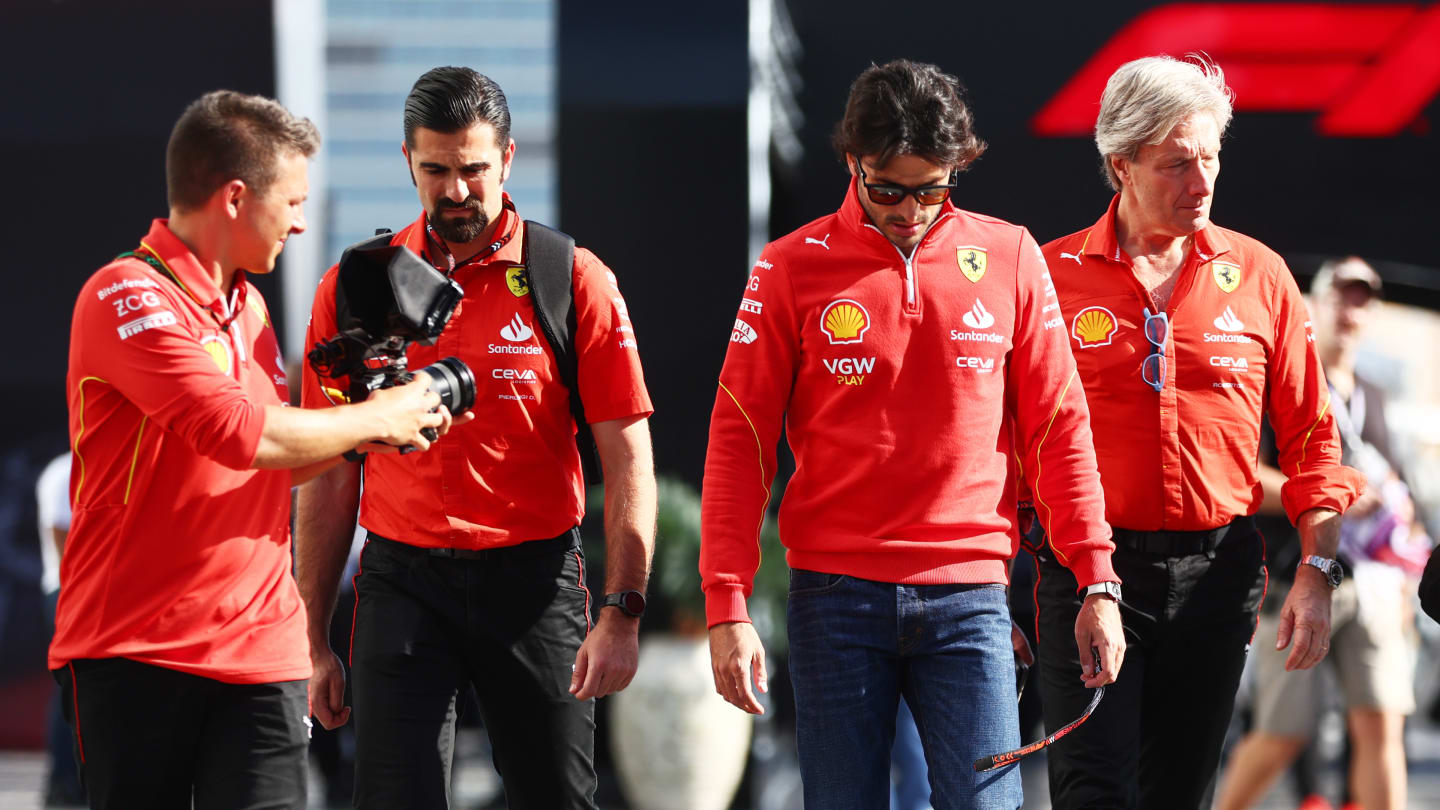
x: 180, y: 636
x: 472, y: 572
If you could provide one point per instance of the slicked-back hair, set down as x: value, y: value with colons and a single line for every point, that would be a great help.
x: 224, y: 136
x: 1146, y: 98
x: 908, y: 108
x: 449, y: 99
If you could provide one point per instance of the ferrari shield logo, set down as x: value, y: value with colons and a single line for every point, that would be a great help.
x: 971, y: 260
x: 518, y: 281
x: 1227, y: 276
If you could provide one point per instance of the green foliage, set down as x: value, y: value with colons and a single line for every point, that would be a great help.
x: 676, y: 601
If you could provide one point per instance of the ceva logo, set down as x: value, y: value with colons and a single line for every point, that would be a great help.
x: 1368, y: 70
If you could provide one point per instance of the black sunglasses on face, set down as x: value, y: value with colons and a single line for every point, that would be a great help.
x: 893, y: 193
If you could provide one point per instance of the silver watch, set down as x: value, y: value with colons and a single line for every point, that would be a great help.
x: 1110, y: 589
x: 1333, y: 571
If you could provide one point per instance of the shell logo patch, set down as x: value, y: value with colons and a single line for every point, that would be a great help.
x: 971, y: 260
x: 518, y: 281
x: 1227, y: 276
x: 219, y: 351
x: 1093, y: 326
x: 845, y: 321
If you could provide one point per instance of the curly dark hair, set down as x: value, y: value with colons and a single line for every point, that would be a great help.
x: 908, y: 108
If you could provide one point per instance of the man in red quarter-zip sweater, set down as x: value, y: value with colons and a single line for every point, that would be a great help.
x: 912, y: 351
x: 1184, y: 334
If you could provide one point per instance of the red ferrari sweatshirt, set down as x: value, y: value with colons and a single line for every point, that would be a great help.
x: 912, y: 391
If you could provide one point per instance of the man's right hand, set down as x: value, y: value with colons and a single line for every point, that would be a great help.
x: 401, y: 412
x: 736, y: 653
x: 327, y: 689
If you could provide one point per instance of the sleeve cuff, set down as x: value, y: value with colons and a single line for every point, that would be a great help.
x: 1334, y: 488
x: 1090, y: 567
x: 725, y: 603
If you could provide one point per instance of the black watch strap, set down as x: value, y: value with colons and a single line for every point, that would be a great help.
x: 631, y: 603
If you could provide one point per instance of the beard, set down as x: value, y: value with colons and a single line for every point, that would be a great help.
x: 459, y: 230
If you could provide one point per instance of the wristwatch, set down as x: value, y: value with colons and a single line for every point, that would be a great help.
x: 1333, y: 571
x: 631, y: 603
x: 1110, y: 589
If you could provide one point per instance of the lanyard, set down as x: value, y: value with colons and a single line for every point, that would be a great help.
x: 233, y: 307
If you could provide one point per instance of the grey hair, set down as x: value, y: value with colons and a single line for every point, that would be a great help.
x: 1146, y: 98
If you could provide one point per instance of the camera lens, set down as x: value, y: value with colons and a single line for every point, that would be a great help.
x: 452, y: 380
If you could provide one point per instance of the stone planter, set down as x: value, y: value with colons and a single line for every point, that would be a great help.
x: 676, y: 742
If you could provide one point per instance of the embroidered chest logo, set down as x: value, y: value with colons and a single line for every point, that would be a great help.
x: 850, y: 370
x: 972, y: 261
x: 978, y: 317
x: 1227, y: 276
x: 1092, y: 327
x: 518, y: 281
x: 845, y: 321
x: 516, y: 331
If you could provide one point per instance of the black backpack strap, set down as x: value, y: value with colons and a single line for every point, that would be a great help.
x: 549, y: 258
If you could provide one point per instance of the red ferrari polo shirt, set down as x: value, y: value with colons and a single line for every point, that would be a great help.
x: 1240, y: 345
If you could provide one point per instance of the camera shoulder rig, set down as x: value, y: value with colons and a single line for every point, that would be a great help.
x: 549, y: 259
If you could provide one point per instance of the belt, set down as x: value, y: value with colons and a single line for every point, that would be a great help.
x: 1181, y: 544
x: 531, y: 548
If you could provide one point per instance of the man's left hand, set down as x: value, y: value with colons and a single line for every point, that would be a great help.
x: 608, y: 658
x: 1305, y: 619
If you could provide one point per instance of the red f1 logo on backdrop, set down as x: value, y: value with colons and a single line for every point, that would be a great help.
x: 1368, y: 70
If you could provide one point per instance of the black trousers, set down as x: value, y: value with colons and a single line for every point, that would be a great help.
x: 1155, y: 739
x: 510, y: 622
x: 152, y: 737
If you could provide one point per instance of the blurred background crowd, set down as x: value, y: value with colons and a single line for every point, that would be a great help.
x: 675, y: 140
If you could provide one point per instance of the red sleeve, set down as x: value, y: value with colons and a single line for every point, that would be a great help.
x: 142, y: 345
x: 755, y: 385
x: 1052, y: 427
x: 1298, y: 403
x: 322, y: 327
x: 612, y: 383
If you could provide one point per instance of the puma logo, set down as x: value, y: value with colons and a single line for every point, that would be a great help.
x: 810, y: 240
x: 1075, y: 256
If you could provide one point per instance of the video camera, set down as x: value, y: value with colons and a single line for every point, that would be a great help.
x: 386, y: 298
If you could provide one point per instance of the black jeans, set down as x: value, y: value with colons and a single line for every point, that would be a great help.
x: 147, y: 736
x: 511, y: 623
x: 1154, y: 741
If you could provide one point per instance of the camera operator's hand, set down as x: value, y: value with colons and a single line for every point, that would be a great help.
x: 451, y: 420
x: 402, y: 412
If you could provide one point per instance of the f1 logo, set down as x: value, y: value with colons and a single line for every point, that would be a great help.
x: 1368, y: 70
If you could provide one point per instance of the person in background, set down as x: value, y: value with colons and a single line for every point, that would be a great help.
x: 1372, y: 621
x: 52, y: 496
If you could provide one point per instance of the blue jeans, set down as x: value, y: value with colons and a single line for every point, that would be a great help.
x: 856, y: 646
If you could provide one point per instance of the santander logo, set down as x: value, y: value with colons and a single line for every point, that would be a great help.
x: 978, y: 318
x: 516, y: 331
x: 1227, y: 322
